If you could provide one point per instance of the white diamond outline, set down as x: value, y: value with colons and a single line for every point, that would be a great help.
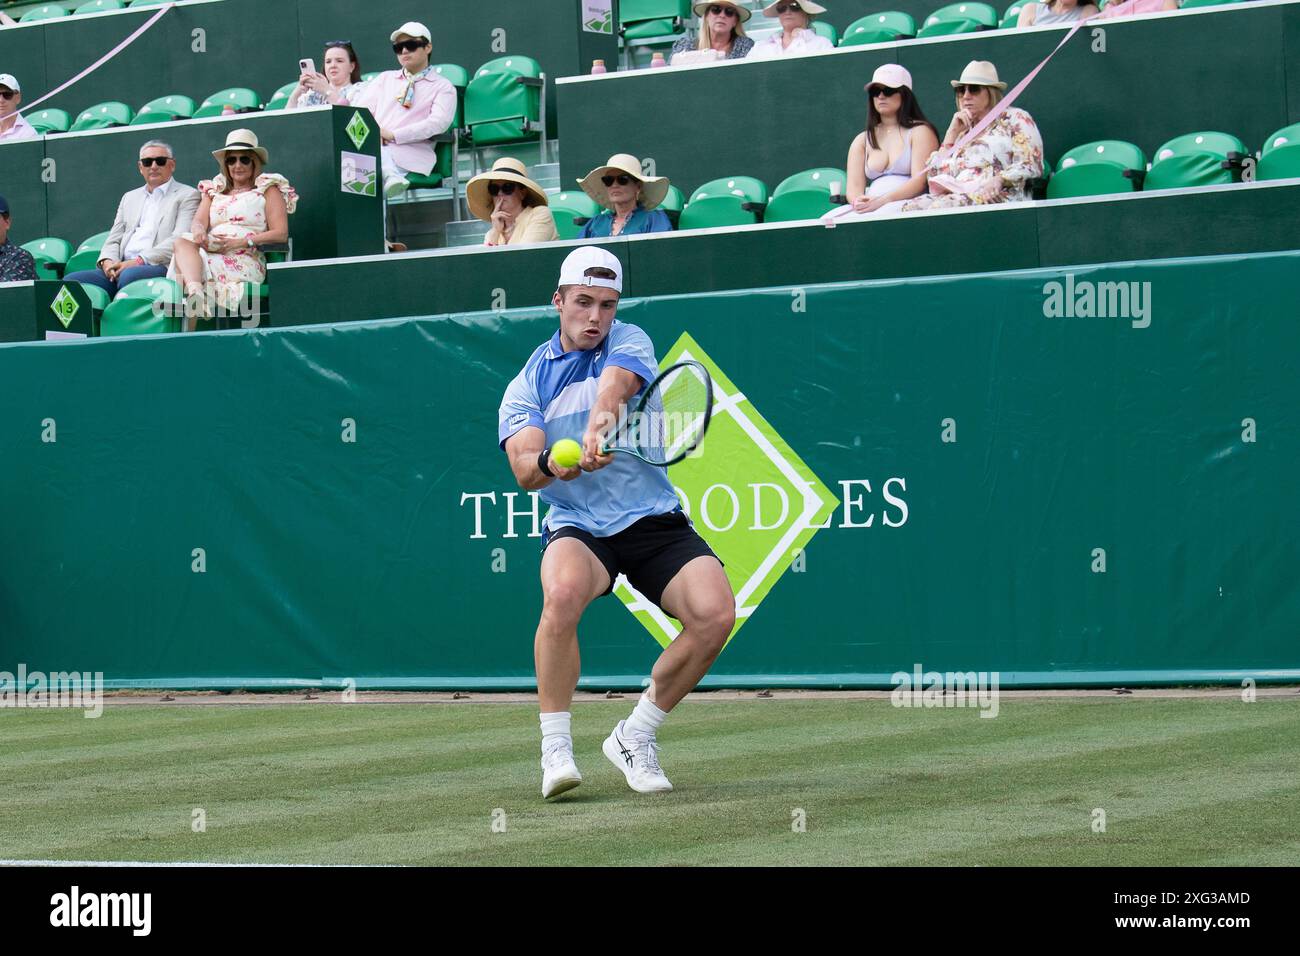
x: 730, y: 404
x: 63, y: 292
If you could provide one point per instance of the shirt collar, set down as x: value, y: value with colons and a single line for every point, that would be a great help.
x: 159, y: 190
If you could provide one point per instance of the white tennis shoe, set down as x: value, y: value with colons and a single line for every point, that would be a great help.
x: 559, y: 772
x: 637, y: 755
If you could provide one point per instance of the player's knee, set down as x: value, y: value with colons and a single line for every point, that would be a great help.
x: 565, y: 599
x: 713, y: 624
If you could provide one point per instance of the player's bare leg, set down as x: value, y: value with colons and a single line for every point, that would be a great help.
x: 699, y: 596
x: 572, y: 578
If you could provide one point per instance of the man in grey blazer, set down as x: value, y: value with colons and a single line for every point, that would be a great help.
x: 148, y: 221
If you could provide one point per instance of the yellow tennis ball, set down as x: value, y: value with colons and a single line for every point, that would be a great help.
x: 567, y: 453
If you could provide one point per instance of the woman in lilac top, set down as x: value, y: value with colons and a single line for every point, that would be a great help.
x: 887, y: 159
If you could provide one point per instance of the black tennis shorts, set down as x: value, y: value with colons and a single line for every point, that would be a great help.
x: 650, y: 551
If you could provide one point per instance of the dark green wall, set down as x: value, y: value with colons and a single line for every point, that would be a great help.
x: 1158, y: 78
x: 326, y: 559
x: 1239, y: 219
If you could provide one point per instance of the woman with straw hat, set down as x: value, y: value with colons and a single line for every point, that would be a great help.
x: 242, y: 209
x: 993, y: 167
x: 721, y: 31
x: 629, y: 199
x: 516, y: 206
x: 797, y: 36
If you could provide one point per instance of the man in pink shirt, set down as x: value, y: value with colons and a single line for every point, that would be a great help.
x: 411, y: 105
x: 12, y: 125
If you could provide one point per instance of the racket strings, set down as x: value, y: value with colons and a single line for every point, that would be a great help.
x: 674, y: 414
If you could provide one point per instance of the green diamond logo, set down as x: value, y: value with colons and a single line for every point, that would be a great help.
x: 357, y: 129
x: 750, y: 496
x: 64, y: 306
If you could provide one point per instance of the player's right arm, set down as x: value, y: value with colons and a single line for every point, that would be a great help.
x: 523, y: 449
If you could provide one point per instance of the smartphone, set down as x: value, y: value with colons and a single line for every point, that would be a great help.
x: 307, y: 65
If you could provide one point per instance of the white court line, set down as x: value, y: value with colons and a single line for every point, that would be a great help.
x: 155, y: 863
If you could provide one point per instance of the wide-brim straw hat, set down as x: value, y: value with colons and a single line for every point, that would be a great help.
x: 744, y: 12
x: 504, y: 170
x: 240, y: 140
x: 807, y: 6
x: 653, y: 188
x: 979, y: 73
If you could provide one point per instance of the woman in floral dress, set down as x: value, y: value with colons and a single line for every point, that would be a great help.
x: 997, y: 165
x: 242, y: 208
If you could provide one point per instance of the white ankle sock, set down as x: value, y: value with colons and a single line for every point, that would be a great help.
x: 645, y: 719
x: 555, y: 726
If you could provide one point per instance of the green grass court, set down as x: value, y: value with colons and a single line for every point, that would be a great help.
x: 1182, y: 781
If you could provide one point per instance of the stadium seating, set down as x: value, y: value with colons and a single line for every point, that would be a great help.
x: 672, y: 205
x: 1094, y: 169
x: 1280, y: 157
x: 729, y: 201
x: 102, y: 116
x: 571, y: 209
x: 647, y: 19
x: 99, y: 298
x: 164, y: 109
x: 49, y: 11
x: 239, y: 98
x: 503, y: 104
x: 50, y: 121
x: 458, y: 77
x: 1012, y: 15
x: 879, y: 28
x: 824, y: 28
x: 1196, y: 159
x: 959, y: 18
x: 280, y: 98
x: 805, y: 195
x: 99, y: 6
x: 52, y: 250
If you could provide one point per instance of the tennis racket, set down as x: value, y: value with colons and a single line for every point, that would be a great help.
x: 670, y: 420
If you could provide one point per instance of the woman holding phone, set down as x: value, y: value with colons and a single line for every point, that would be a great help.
x: 340, y: 81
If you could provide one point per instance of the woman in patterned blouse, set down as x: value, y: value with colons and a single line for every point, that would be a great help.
x: 994, y: 167
x: 341, y: 79
x: 720, y: 30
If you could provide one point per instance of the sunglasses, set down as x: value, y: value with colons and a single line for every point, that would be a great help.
x: 783, y: 7
x: 622, y: 179
x: 885, y: 90
x: 241, y: 160
x: 408, y: 46
x: 965, y: 88
x: 7, y: 94
x: 504, y: 189
x: 719, y: 10
x: 148, y: 161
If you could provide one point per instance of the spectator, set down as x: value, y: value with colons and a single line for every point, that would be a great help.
x: 1057, y: 11
x: 148, y: 220
x: 16, y: 264
x: 7, y: 21
x: 411, y: 105
x: 629, y: 199
x: 336, y: 86
x: 242, y: 208
x: 887, y: 160
x: 797, y: 36
x: 721, y: 31
x: 994, y: 167
x: 516, y: 206
x: 13, y: 127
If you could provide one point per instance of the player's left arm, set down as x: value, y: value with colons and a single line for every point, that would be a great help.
x: 614, y: 390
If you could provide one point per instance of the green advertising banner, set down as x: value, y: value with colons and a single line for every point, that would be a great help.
x: 1070, y: 476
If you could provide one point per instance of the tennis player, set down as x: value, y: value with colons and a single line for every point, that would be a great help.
x: 608, y: 515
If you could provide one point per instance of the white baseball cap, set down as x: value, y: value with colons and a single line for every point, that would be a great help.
x: 11, y: 81
x: 577, y: 262
x: 412, y: 29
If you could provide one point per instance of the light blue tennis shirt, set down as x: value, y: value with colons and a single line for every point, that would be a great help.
x: 555, y: 392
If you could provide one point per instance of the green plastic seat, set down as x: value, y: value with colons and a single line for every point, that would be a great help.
x: 983, y: 14
x: 643, y: 19
x: 1011, y: 16
x: 45, y: 268
x: 103, y: 116
x: 1097, y: 169
x: 241, y: 98
x: 730, y: 201
x: 805, y: 195
x: 52, y: 249
x: 1194, y: 159
x: 1190, y: 4
x: 49, y: 11
x: 95, y: 242
x: 131, y: 316
x: 82, y: 259
x: 879, y: 28
x: 100, y: 6
x: 944, y: 28
x: 570, y: 205
x: 50, y: 121
x: 503, y: 101
x: 367, y: 77
x: 458, y: 77
x: 280, y: 98
x: 827, y: 30
x: 165, y: 109
x: 159, y: 288
x: 443, y: 167
x: 147, y: 3
x: 673, y: 203
x: 1280, y: 157
x: 99, y: 298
